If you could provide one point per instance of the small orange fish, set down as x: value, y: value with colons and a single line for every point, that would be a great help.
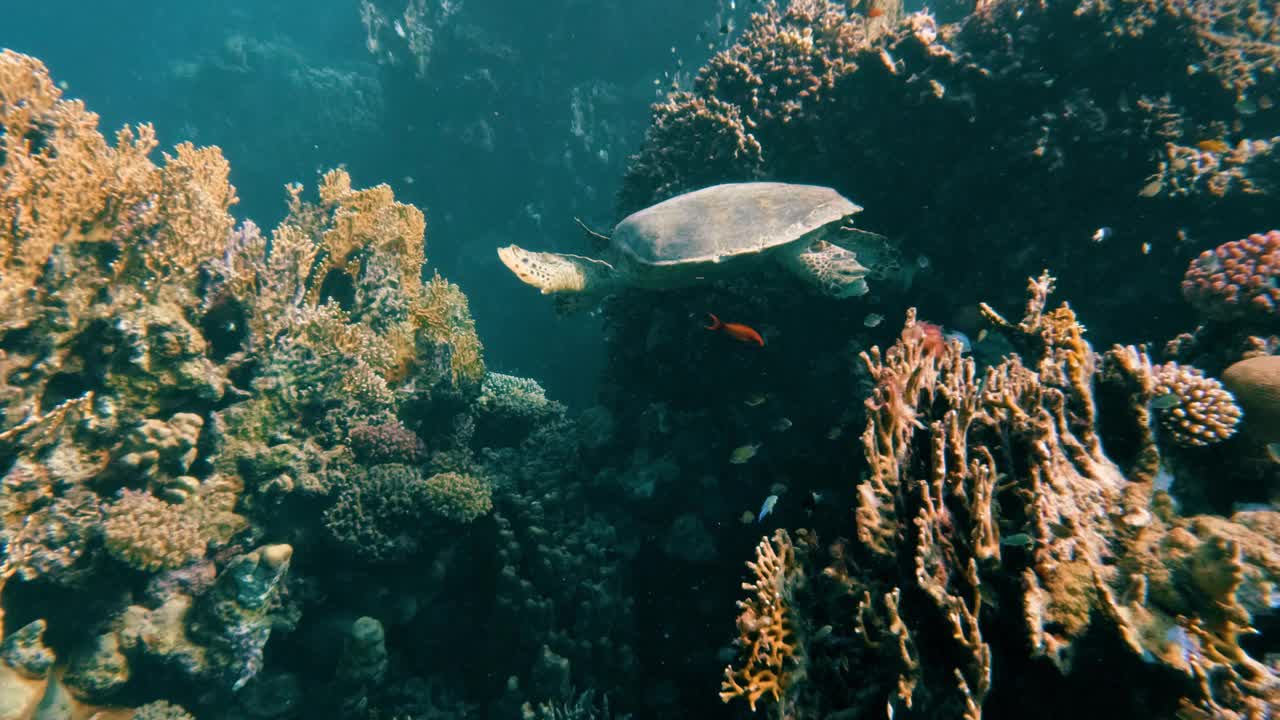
x: 875, y: 12
x: 737, y: 331
x: 1213, y: 146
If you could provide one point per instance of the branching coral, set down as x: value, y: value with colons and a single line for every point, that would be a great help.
x: 770, y: 638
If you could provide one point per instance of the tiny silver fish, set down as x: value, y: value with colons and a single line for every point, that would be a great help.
x: 872, y: 320
x: 1166, y: 401
x: 781, y: 425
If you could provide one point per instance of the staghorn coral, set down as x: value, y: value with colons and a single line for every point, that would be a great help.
x: 1204, y: 412
x: 1236, y: 280
x: 150, y: 534
x: 771, y: 640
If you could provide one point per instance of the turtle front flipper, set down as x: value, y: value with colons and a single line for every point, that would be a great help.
x: 558, y: 272
x: 828, y: 267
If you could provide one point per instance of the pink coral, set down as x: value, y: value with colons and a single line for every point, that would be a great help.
x: 1236, y: 280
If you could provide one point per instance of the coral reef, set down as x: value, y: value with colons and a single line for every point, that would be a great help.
x: 990, y: 497
x: 924, y: 123
x: 214, y: 406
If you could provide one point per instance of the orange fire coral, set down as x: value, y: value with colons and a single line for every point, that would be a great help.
x: 769, y: 634
x: 63, y: 187
x: 992, y: 530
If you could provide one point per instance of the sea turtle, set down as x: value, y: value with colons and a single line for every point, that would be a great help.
x: 718, y: 231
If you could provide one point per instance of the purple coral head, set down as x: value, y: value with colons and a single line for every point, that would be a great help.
x: 1237, y: 279
x: 385, y: 442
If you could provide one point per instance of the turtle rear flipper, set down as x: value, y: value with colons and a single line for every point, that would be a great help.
x: 558, y: 272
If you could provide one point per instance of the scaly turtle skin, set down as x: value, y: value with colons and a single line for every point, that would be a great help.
x: 718, y: 231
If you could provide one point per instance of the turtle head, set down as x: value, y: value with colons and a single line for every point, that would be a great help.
x: 556, y: 272
x: 830, y: 268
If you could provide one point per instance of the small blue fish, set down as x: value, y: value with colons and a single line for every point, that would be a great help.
x: 957, y: 336
x: 767, y: 507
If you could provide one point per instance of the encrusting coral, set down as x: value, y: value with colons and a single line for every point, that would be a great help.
x: 994, y: 490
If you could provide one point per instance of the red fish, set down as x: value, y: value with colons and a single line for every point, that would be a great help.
x: 737, y: 331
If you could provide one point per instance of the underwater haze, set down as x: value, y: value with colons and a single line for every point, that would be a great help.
x: 587, y: 360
